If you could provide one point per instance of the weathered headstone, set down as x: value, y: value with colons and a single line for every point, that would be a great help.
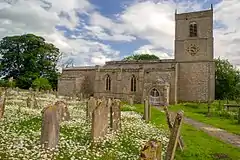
x: 147, y: 110
x: 62, y: 111
x: 174, y: 136
x: 2, y: 105
x: 91, y: 105
x: 56, y: 94
x: 17, y: 89
x: 30, y: 102
x: 50, y: 128
x: 115, y: 115
x: 81, y: 96
x: 99, y: 120
x: 170, y: 121
x: 152, y: 150
x: 131, y: 100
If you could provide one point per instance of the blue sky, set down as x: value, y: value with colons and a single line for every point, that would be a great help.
x: 94, y: 31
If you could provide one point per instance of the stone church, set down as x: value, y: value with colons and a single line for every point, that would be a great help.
x: 190, y: 76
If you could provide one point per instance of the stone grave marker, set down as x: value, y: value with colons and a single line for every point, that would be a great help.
x: 91, y: 105
x: 2, y: 105
x: 50, y: 127
x: 56, y: 94
x: 29, y: 101
x: 174, y: 136
x: 99, y: 120
x: 115, y: 115
x: 131, y: 100
x: 147, y: 110
x: 63, y: 111
x: 170, y: 121
x: 152, y: 150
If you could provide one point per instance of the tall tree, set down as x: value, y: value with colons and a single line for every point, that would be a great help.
x: 227, y: 80
x: 28, y: 57
x: 141, y: 57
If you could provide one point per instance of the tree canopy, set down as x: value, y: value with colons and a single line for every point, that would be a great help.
x: 28, y: 57
x: 227, y: 84
x: 141, y: 57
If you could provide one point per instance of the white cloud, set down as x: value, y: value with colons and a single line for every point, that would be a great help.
x: 151, y: 20
x: 149, y: 49
x: 42, y: 16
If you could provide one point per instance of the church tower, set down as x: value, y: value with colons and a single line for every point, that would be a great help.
x: 194, y: 56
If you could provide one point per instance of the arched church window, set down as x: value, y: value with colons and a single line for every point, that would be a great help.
x: 133, y: 84
x: 193, y: 29
x: 108, y: 83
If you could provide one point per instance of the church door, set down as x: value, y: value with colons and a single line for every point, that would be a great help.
x: 154, y: 97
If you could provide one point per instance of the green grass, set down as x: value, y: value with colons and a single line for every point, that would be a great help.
x: 198, y: 145
x: 198, y: 112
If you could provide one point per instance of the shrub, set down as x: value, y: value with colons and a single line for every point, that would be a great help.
x: 41, y: 84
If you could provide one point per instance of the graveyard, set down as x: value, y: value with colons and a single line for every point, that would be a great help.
x: 20, y: 131
x: 88, y: 133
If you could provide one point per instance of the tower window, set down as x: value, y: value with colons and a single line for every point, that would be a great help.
x: 108, y: 83
x: 193, y: 29
x: 133, y: 84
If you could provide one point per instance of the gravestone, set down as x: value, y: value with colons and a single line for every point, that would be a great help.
x: 115, y: 115
x: 50, y: 128
x: 109, y: 105
x: 2, y: 105
x: 174, y: 136
x: 56, y: 94
x: 91, y: 105
x: 17, y: 89
x: 99, y: 120
x: 62, y: 110
x: 30, y: 102
x: 152, y: 150
x: 131, y: 100
x: 147, y: 110
x: 170, y: 121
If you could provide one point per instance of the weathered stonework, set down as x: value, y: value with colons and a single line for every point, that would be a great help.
x: 190, y: 76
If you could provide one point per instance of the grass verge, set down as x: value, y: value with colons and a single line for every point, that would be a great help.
x: 198, y: 112
x: 198, y: 145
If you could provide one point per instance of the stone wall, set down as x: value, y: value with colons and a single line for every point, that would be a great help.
x: 79, y: 79
x: 193, y: 84
x: 144, y: 71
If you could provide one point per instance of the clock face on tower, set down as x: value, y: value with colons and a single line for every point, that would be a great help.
x: 192, y: 49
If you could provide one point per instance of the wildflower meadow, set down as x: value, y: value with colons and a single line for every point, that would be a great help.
x: 20, y: 131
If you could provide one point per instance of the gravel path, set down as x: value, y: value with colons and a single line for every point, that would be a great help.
x: 212, y: 131
x: 215, y: 132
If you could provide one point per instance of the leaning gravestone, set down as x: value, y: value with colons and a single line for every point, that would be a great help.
x: 50, y: 127
x: 174, y: 137
x: 99, y: 120
x: 152, y: 150
x: 170, y: 121
x: 115, y: 115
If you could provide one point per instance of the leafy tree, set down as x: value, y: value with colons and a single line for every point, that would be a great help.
x: 41, y: 84
x: 28, y: 57
x: 227, y: 80
x: 141, y: 57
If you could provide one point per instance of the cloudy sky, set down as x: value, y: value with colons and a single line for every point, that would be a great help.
x: 94, y: 31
